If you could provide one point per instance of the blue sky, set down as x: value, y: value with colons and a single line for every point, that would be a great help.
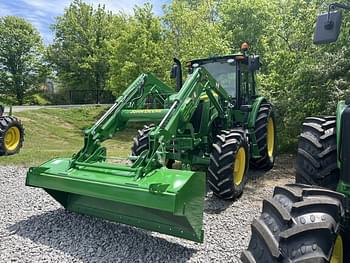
x: 42, y: 13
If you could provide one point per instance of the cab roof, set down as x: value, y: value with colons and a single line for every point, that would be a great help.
x: 201, y: 61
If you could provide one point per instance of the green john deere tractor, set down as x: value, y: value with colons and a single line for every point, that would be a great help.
x: 214, y: 121
x: 310, y: 221
x: 11, y: 133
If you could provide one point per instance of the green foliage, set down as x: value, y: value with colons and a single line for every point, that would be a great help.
x: 37, y: 99
x: 138, y: 47
x: 247, y: 21
x: 192, y: 30
x: 22, y: 66
x: 300, y: 78
x: 96, y: 49
x: 79, y: 52
x: 148, y: 43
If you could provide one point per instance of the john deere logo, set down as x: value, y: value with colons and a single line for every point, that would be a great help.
x: 145, y: 111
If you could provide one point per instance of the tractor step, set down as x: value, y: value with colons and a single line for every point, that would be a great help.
x: 168, y: 201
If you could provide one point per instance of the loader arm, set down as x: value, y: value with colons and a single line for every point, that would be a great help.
x: 112, y: 121
x: 182, y: 109
x: 173, y: 117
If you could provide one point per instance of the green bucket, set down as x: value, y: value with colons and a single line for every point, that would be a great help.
x: 168, y: 201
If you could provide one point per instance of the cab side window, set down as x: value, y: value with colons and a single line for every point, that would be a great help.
x: 247, y: 87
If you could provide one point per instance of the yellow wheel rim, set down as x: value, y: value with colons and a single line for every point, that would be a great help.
x: 270, y: 137
x: 337, y: 255
x: 239, y: 166
x: 12, y: 138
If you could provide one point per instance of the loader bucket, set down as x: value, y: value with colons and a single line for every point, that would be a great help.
x: 165, y: 200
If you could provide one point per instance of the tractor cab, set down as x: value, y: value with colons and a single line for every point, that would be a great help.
x: 222, y: 69
x: 235, y: 73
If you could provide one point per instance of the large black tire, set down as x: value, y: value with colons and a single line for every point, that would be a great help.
x: 11, y: 135
x: 141, y: 143
x: 316, y: 162
x: 262, y: 131
x: 299, y: 224
x: 141, y: 140
x: 228, y: 150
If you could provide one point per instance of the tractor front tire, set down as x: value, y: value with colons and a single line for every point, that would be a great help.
x: 299, y: 224
x: 316, y: 162
x: 11, y: 135
x: 266, y: 138
x: 227, y: 171
x: 141, y: 140
x: 141, y: 143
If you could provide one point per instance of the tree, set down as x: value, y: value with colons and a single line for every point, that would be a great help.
x: 79, y: 52
x: 281, y: 33
x: 292, y: 63
x: 148, y: 43
x: 247, y: 21
x: 95, y: 49
x: 193, y: 29
x: 138, y: 48
x: 22, y: 66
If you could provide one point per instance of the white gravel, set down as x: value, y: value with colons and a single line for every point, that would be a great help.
x: 34, y: 228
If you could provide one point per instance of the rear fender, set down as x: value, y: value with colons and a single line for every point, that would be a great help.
x: 251, y: 126
x: 340, y: 109
x: 255, y: 109
x: 343, y: 141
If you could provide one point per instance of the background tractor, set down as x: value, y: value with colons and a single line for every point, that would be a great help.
x: 214, y: 121
x: 309, y: 221
x: 11, y: 133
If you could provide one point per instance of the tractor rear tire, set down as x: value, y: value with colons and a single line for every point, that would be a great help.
x: 299, y: 224
x: 316, y: 162
x: 11, y: 135
x: 266, y: 138
x: 141, y: 141
x: 227, y: 171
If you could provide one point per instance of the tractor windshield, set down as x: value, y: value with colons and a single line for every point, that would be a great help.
x: 225, y: 74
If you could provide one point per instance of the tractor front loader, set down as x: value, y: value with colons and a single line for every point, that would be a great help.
x: 310, y: 221
x: 214, y: 121
x: 11, y: 133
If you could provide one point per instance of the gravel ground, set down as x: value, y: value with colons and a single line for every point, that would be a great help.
x: 34, y: 228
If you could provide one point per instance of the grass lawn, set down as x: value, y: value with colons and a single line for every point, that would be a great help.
x: 53, y: 133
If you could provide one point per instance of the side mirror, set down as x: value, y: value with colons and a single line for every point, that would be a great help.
x: 254, y: 63
x: 173, y: 72
x: 327, y: 27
